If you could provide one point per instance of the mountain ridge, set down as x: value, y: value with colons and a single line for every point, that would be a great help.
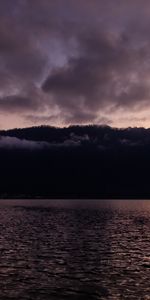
x: 75, y: 162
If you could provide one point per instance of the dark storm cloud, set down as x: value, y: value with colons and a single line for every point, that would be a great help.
x: 22, y: 61
x: 20, y: 55
x: 82, y: 56
x: 106, y: 72
x: 17, y: 104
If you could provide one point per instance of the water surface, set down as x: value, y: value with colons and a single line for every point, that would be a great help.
x: 74, y: 250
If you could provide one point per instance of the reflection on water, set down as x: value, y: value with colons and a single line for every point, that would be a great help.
x: 75, y: 252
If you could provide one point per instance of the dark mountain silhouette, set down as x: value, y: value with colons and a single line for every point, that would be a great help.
x: 75, y: 162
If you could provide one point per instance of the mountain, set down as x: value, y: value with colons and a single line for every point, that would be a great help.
x: 75, y: 162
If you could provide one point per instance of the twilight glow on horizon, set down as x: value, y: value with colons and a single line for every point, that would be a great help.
x: 74, y: 62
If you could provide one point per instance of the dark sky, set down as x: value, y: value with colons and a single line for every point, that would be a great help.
x: 74, y: 62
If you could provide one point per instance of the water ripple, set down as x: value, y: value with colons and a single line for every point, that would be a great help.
x: 52, y: 253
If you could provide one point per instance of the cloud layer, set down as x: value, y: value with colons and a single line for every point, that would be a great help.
x: 74, y: 62
x: 10, y: 143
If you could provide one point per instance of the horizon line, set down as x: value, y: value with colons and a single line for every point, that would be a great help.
x: 76, y: 125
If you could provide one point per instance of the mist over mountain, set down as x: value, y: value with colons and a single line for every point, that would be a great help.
x: 75, y: 162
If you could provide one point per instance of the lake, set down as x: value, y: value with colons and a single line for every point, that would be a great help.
x: 92, y: 250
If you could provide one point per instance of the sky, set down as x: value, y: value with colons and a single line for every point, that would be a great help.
x: 66, y: 62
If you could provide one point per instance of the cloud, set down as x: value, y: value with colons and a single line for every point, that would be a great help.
x: 87, y: 58
x: 7, y: 142
x: 21, y: 58
x: 12, y: 142
x: 17, y: 103
x: 106, y: 73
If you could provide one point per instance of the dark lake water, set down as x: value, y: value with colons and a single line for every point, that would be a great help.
x: 75, y: 250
